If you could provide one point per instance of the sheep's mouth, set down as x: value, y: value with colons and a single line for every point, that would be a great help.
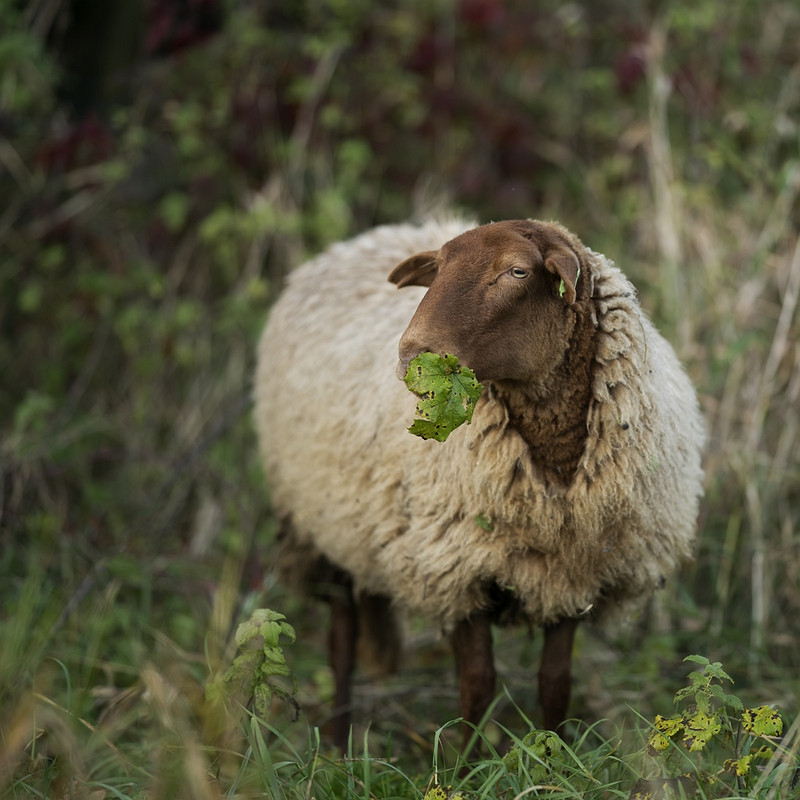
x: 447, y: 392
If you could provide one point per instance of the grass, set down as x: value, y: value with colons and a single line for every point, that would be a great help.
x: 138, y: 257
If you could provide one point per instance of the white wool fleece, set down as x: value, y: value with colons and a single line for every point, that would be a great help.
x: 438, y: 526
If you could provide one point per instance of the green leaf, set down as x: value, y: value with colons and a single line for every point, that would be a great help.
x: 539, y: 754
x: 545, y: 745
x: 697, y: 659
x: 484, y: 522
x: 728, y: 699
x: 447, y: 392
x: 714, y: 670
x: 765, y: 751
x: 265, y: 623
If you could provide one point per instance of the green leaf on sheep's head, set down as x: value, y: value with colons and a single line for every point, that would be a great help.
x: 447, y: 394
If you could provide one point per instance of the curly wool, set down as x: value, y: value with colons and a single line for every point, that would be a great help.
x: 442, y: 528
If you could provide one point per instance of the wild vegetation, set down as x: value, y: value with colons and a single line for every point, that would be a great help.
x: 162, y: 166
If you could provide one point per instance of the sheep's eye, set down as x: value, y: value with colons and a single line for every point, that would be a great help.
x: 518, y: 272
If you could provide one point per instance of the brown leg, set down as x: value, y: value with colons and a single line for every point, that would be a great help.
x: 472, y: 645
x: 554, y: 673
x: 341, y: 656
x: 379, y: 640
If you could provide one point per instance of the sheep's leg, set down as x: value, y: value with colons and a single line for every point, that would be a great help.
x: 472, y: 645
x: 555, y: 677
x: 342, y: 638
x: 379, y: 639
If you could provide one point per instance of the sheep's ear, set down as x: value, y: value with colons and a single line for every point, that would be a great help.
x: 419, y: 270
x: 564, y: 264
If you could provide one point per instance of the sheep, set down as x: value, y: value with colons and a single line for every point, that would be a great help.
x: 572, y: 494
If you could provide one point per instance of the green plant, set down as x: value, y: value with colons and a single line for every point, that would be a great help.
x: 539, y: 752
x: 261, y: 640
x: 715, y: 742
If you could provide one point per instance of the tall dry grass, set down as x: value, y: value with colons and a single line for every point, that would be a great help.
x: 728, y: 277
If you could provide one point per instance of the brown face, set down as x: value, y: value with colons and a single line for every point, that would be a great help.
x: 498, y: 300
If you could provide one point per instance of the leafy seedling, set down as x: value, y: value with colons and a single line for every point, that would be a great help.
x: 712, y: 721
x: 261, y: 640
x: 447, y: 394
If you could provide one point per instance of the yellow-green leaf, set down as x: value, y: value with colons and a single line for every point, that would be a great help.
x: 669, y: 726
x: 699, y: 730
x: 762, y: 721
x: 738, y: 766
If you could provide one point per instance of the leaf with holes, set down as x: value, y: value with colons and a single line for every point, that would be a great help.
x: 700, y: 728
x: 762, y: 721
x: 665, y: 730
x: 447, y: 394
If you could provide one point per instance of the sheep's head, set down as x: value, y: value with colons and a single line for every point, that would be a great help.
x: 501, y: 298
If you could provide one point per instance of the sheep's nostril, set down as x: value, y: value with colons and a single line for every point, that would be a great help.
x: 407, y: 355
x: 402, y: 364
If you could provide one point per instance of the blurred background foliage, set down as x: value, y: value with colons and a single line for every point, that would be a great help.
x: 164, y: 163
